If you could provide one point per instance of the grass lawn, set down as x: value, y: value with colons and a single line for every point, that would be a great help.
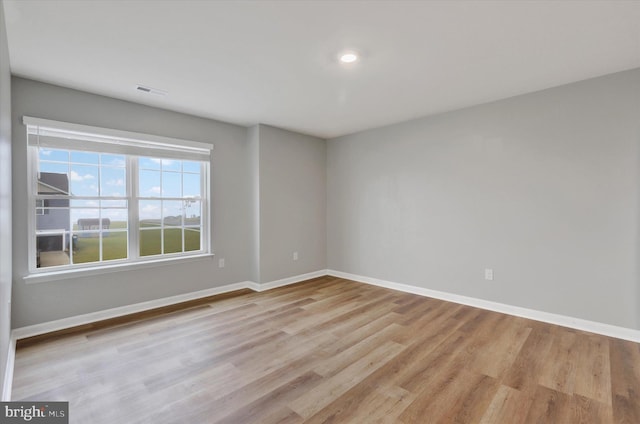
x: 114, y: 243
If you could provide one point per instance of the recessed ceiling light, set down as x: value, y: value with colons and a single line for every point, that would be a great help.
x: 348, y: 57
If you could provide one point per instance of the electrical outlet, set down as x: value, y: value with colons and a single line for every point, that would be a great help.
x: 295, y: 256
x: 488, y: 274
x: 221, y: 263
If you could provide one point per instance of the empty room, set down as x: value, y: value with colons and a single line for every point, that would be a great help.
x: 319, y: 211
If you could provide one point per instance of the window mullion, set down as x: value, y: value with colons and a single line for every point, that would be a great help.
x: 100, y: 217
x: 32, y: 170
x: 71, y: 232
x: 161, y: 210
x: 205, y: 217
x: 184, y: 211
x: 132, y: 196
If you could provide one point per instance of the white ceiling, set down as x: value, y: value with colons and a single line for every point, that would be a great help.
x: 274, y: 62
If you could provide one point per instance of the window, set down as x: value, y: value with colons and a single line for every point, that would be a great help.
x: 40, y: 207
x: 102, y: 197
x: 169, y: 204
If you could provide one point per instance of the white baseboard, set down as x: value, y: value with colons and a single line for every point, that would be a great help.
x: 289, y: 280
x: 8, y: 373
x: 562, y: 320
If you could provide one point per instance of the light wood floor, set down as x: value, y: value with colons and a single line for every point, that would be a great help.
x: 332, y: 350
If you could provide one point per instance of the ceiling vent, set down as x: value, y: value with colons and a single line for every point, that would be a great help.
x: 150, y: 90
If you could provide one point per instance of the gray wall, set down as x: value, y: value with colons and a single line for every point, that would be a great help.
x: 543, y: 188
x: 292, y: 203
x: 5, y: 196
x: 254, y: 181
x: 231, y: 201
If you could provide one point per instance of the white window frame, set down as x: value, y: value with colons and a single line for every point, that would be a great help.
x: 68, y: 136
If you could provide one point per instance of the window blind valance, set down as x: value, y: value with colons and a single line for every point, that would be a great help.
x: 65, y: 135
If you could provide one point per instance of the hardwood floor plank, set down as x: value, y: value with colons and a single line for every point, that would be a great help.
x: 443, y: 400
x: 549, y: 406
x: 559, y: 372
x: 344, y: 306
x: 525, y: 372
x: 470, y: 403
x: 507, y: 346
x: 378, y: 405
x: 382, y: 315
x: 508, y: 406
x: 348, y: 356
x: 333, y: 387
x: 625, y: 380
x: 594, y: 382
x: 454, y: 351
x: 586, y: 411
x: 269, y: 405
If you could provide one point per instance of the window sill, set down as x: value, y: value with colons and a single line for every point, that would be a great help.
x: 42, y: 277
